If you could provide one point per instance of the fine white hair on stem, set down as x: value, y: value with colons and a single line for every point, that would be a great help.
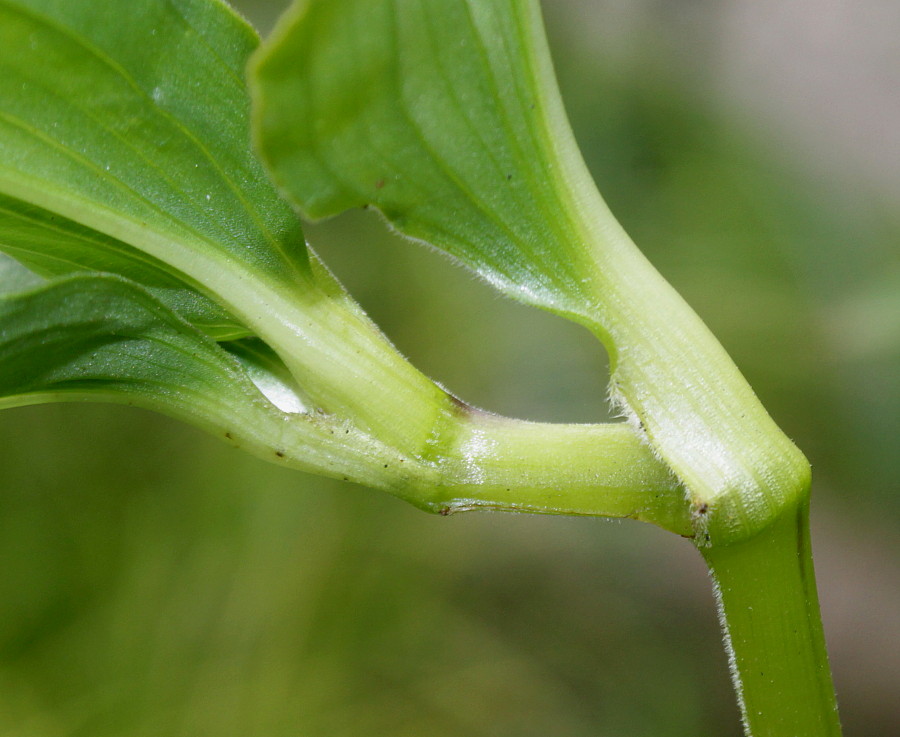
x: 729, y: 652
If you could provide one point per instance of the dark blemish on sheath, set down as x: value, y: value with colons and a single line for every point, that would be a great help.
x: 508, y: 177
x: 229, y: 436
x: 444, y: 511
x: 457, y: 402
x: 703, y: 508
x: 279, y: 453
x: 379, y: 184
x: 462, y: 409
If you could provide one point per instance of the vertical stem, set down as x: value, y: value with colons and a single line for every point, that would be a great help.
x: 769, y: 608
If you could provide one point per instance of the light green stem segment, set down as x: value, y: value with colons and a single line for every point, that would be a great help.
x: 490, y: 462
x: 766, y: 593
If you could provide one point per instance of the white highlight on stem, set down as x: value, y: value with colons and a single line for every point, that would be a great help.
x: 477, y: 447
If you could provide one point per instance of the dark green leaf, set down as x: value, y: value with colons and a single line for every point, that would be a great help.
x: 52, y: 245
x: 131, y: 120
x: 103, y: 338
x: 438, y: 112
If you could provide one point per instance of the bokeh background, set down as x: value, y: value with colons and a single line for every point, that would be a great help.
x: 156, y: 582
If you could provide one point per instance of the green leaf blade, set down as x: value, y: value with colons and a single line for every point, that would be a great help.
x: 51, y: 245
x: 410, y: 106
x: 135, y: 124
x: 89, y: 334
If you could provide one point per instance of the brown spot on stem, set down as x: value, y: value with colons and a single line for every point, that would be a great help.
x: 464, y: 409
x: 379, y: 184
x: 459, y: 403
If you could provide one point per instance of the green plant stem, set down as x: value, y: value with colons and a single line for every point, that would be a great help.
x: 490, y: 462
x: 769, y: 608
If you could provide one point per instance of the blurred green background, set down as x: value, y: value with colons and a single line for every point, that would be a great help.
x: 156, y: 582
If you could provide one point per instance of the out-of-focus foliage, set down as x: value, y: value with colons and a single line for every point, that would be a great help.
x: 155, y: 582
